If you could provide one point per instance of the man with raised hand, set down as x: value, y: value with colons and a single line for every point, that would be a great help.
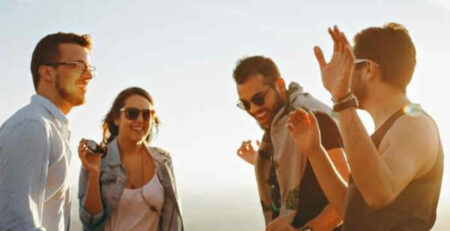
x: 35, y: 141
x: 288, y: 189
x: 396, y: 173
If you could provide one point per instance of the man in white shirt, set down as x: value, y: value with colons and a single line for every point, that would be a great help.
x: 34, y: 142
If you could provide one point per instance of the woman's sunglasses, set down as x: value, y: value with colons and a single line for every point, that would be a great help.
x: 258, y: 99
x: 133, y: 113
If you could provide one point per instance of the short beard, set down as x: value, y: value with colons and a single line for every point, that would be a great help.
x: 360, y: 91
x: 69, y: 97
x: 278, y: 105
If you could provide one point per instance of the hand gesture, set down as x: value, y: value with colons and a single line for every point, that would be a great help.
x: 337, y: 74
x: 92, y: 162
x: 304, y: 130
x: 247, y: 152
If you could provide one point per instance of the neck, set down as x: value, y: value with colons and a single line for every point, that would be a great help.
x: 57, y: 100
x: 129, y: 147
x: 385, y: 103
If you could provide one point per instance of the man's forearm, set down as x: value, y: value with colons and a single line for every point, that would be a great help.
x: 332, y: 184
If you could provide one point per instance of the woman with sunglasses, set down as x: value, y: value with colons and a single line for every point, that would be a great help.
x: 131, y: 186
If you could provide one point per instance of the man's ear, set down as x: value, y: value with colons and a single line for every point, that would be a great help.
x: 281, y: 87
x: 280, y: 83
x: 371, y: 70
x: 46, y: 73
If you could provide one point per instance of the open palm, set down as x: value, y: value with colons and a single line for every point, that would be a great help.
x: 337, y: 74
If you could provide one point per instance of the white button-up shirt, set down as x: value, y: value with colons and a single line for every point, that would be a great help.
x: 34, y: 168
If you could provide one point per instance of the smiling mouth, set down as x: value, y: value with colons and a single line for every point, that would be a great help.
x: 138, y: 128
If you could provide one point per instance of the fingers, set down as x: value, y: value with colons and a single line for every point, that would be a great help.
x: 298, y: 119
x: 245, y: 147
x: 82, y: 146
x: 319, y: 56
x: 335, y: 39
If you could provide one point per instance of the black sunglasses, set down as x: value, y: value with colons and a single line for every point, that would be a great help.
x: 133, y: 113
x: 257, y: 99
x: 94, y: 148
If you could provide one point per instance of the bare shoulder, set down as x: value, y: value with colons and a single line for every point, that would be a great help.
x: 415, y: 137
x: 418, y: 126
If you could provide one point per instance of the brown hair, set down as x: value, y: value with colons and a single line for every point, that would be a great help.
x: 392, y: 48
x: 110, y: 130
x: 47, y: 50
x: 252, y: 65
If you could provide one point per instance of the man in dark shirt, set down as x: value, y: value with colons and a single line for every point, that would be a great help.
x: 288, y: 189
x: 397, y: 172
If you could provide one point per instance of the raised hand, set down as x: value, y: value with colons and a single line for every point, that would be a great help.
x: 247, y: 152
x: 304, y: 130
x: 337, y: 74
x: 92, y: 162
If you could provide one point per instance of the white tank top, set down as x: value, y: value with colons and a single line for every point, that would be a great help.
x: 133, y: 213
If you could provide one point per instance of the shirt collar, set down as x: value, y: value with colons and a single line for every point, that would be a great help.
x: 50, y: 107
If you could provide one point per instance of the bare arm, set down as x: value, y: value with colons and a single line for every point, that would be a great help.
x: 379, y: 175
x: 304, y: 129
x: 332, y: 180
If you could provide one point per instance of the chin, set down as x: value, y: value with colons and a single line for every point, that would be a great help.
x: 76, y: 100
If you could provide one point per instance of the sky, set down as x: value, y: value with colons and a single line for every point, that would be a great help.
x: 184, y: 52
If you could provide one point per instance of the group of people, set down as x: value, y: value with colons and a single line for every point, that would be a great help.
x: 316, y: 167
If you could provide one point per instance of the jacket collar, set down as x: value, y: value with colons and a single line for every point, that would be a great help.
x: 113, y: 154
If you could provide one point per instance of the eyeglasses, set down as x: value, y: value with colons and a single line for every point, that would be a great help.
x: 82, y: 67
x: 133, y: 113
x: 257, y: 99
x: 359, y: 61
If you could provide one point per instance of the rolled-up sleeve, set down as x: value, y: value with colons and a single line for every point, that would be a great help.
x: 24, y: 160
x: 89, y: 220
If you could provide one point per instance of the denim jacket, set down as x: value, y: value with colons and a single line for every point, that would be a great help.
x: 112, y: 182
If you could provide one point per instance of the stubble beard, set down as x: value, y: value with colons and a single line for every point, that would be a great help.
x: 278, y: 105
x: 360, y: 91
x: 68, y: 95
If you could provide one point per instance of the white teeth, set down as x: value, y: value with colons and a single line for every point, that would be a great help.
x: 261, y: 115
x: 137, y: 128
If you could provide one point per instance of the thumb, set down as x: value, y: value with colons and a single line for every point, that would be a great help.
x: 312, y: 118
x: 319, y: 56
